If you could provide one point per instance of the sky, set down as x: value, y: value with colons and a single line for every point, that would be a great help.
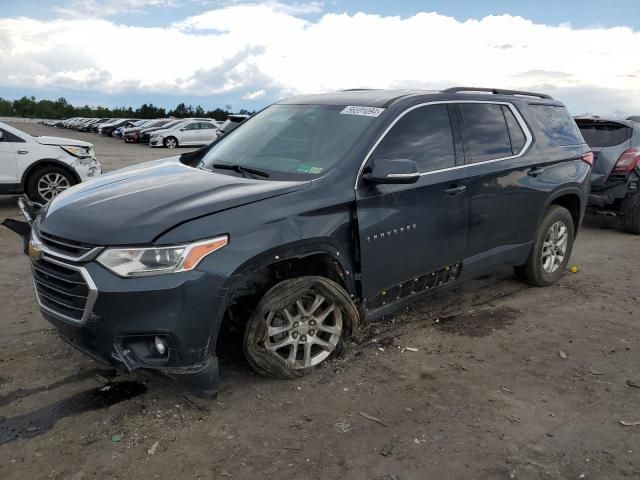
x: 238, y: 54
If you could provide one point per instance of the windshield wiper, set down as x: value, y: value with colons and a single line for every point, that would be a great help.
x: 240, y: 169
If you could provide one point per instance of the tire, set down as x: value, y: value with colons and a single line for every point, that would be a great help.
x: 630, y: 221
x: 58, y: 179
x: 170, y: 142
x: 271, y: 354
x: 542, y: 273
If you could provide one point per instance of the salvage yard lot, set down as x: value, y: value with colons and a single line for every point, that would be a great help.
x: 500, y: 380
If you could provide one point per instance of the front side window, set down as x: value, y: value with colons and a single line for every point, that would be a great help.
x: 423, y: 135
x: 487, y: 137
x: 289, y: 141
x: 191, y: 126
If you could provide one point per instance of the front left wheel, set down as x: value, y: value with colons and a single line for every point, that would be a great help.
x: 297, y: 325
x: 48, y: 182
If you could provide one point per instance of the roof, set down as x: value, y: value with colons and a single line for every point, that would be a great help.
x: 365, y: 97
x: 384, y: 98
x: 604, y: 119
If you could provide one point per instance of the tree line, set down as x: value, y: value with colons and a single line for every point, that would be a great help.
x: 29, y: 107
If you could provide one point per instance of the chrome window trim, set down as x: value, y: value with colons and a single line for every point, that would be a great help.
x: 91, y: 298
x: 514, y: 110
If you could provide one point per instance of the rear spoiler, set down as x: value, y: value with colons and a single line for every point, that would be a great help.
x: 29, y: 211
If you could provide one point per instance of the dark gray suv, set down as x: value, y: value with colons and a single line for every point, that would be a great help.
x: 317, y: 214
x: 615, y: 182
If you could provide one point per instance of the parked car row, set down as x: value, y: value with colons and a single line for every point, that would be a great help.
x: 164, y: 132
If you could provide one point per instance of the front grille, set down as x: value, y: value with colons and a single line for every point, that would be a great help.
x: 63, y: 246
x: 62, y: 290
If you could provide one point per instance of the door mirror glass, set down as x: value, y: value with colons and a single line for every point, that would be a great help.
x: 383, y: 170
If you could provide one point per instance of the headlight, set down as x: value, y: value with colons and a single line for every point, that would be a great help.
x: 138, y: 262
x: 80, y: 152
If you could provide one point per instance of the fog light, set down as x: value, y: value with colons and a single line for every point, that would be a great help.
x: 161, y: 346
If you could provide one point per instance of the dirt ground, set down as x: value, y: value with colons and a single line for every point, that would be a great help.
x: 501, y: 381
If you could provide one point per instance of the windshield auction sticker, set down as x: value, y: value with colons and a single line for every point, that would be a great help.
x: 362, y: 111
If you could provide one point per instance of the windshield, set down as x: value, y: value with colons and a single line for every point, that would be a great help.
x: 289, y: 142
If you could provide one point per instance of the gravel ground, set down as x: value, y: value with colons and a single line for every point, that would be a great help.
x: 502, y: 381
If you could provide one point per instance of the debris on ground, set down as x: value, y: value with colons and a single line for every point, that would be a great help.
x: 624, y: 423
x: 225, y: 473
x: 574, y: 269
x: 562, y: 354
x: 153, y: 448
x: 343, y: 426
x: 386, y: 450
x: 633, y: 384
x: 372, y: 418
x: 115, y: 438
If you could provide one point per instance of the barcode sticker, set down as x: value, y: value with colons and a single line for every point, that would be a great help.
x: 363, y: 111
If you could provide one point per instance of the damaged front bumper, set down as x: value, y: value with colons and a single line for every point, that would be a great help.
x: 117, y: 320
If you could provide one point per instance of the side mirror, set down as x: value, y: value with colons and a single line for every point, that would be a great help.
x: 385, y: 171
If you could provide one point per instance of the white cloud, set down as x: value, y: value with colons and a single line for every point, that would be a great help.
x: 101, y: 8
x: 263, y: 51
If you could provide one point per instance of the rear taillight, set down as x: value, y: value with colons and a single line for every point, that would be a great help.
x: 587, y: 158
x: 627, y: 161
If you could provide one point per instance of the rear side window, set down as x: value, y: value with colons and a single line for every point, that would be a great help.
x: 423, y: 135
x: 557, y: 125
x: 604, y: 134
x: 487, y: 136
x: 516, y: 134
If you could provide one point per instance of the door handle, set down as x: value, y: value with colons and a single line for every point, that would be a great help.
x: 534, y: 172
x: 22, y: 152
x: 455, y: 190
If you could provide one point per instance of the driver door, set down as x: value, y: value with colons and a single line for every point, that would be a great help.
x: 413, y: 236
x: 8, y: 159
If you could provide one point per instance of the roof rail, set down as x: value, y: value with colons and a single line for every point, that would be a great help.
x: 496, y: 91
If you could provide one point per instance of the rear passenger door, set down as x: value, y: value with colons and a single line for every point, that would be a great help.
x: 413, y: 236
x: 207, y: 132
x: 190, y: 134
x: 504, y: 200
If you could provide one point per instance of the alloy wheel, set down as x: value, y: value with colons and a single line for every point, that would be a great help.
x: 304, y: 333
x: 51, y: 184
x: 554, y: 247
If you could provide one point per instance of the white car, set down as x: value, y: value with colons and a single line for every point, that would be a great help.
x: 43, y: 166
x: 189, y: 133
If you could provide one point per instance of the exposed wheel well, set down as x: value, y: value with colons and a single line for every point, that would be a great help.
x: 571, y: 202
x: 46, y: 163
x: 257, y: 282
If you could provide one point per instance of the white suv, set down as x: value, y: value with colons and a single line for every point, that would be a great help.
x: 189, y: 133
x: 43, y: 166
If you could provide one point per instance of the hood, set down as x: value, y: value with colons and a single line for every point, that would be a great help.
x: 135, y: 205
x: 62, y: 141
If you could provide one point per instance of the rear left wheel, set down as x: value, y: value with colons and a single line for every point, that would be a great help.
x: 297, y: 325
x: 551, y: 250
x: 630, y: 221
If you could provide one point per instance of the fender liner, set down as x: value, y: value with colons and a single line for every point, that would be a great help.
x: 561, y: 192
x: 35, y: 166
